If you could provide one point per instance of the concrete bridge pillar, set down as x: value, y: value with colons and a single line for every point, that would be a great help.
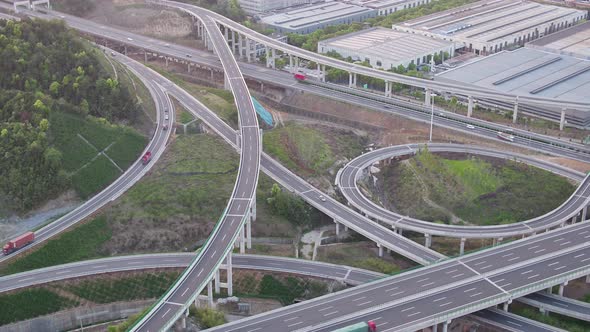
x: 269, y: 57
x: 462, y: 247
x: 323, y: 73
x: 229, y: 269
x: 561, y: 287
x: 584, y: 210
x: 37, y: 3
x: 388, y: 89
x: 400, y: 231
x: 17, y: 4
x: 351, y: 80
x: 588, y: 279
x: 446, y: 326
x: 469, y: 106
x: 435, y: 328
x: 217, y: 282
x: 240, y: 46
x: 210, y: 293
x: 562, y: 119
x: 337, y: 227
x: 427, y: 240
x: 296, y: 64
x: 243, y: 239
x: 427, y: 100
x: 380, y: 249
x: 515, y: 112
x: 505, y: 305
x: 291, y: 64
x: 543, y: 311
x: 549, y: 290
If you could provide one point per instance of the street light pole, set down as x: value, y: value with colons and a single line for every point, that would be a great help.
x: 432, y: 95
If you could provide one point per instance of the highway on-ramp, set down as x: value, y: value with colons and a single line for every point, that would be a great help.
x: 348, y: 177
x: 133, y: 174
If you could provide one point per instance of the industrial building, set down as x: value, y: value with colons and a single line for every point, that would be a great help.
x: 530, y: 72
x: 386, y: 7
x: 385, y: 48
x: 489, y: 26
x: 574, y: 41
x: 255, y: 7
x: 307, y: 19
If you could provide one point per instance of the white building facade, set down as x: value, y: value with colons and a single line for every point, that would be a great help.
x: 254, y: 7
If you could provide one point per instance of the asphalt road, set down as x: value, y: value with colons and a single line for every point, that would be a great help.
x: 512, y: 322
x: 442, y: 291
x: 350, y: 174
x: 370, y: 72
x: 558, y: 304
x: 133, y: 174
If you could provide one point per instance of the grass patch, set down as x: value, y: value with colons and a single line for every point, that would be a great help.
x: 95, y: 176
x: 356, y: 254
x: 31, y: 303
x: 78, y: 244
x: 311, y: 150
x: 471, y: 190
x: 185, y: 117
x: 143, y: 286
x: 218, y: 100
x: 556, y: 320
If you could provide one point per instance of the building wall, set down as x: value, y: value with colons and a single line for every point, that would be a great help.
x: 309, y: 28
x: 261, y: 6
x: 383, y: 62
x: 390, y: 9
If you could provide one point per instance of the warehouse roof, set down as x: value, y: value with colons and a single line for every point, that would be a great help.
x: 386, y: 43
x: 574, y: 41
x: 376, y: 4
x: 309, y: 15
x: 489, y: 20
x: 527, y: 71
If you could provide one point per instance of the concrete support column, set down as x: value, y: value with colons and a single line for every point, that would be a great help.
x: 274, y: 58
x: 145, y: 56
x: 345, y: 228
x: 543, y: 311
x: 505, y: 306
x: 388, y: 89
x: 549, y: 290
x: 351, y: 80
x: 337, y: 228
x: 323, y: 73
x: 562, y: 119
x: 446, y: 326
x: 435, y: 328
x: 588, y: 279
x: 561, y: 287
x: 296, y: 64
x: 269, y: 57
x: 166, y: 58
x: 240, y: 46
x: 462, y: 247
x: 469, y: 106
x: 515, y: 112
x: 188, y: 67
x: 217, y: 282
x: 249, y: 234
x: 427, y: 240
x: 226, y: 85
x: 380, y: 250
x: 248, y: 52
x: 230, y: 285
x: 242, y: 240
x: 427, y: 100
x: 584, y: 210
x: 233, y: 42
x: 400, y: 231
x: 210, y: 293
x: 291, y: 64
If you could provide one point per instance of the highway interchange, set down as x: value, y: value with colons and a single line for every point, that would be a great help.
x: 312, y: 195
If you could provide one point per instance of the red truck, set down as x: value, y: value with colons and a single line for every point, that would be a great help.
x: 146, y: 158
x: 300, y: 76
x: 19, y: 242
x: 369, y: 326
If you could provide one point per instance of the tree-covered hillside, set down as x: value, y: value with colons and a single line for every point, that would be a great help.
x: 45, y: 71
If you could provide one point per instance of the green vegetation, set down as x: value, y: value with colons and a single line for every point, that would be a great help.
x: 74, y: 7
x: 142, y: 286
x: 122, y: 327
x: 475, y: 191
x: 310, y: 150
x: 218, y: 100
x: 91, y: 178
x: 292, y: 207
x: 207, y: 317
x: 31, y: 303
x: 81, y: 243
x: 185, y: 117
x: 356, y: 254
x: 563, y: 322
x: 47, y: 73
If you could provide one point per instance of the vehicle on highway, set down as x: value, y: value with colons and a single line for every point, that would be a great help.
x: 300, y: 76
x: 189, y: 56
x: 505, y: 136
x: 146, y: 158
x: 129, y: 39
x: 470, y: 126
x: 322, y: 198
x: 166, y: 117
x: 369, y: 326
x: 167, y: 45
x: 441, y: 114
x: 113, y: 54
x: 18, y: 243
x: 165, y: 127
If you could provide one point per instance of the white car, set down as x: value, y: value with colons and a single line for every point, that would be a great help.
x: 129, y: 39
x: 322, y: 198
x: 166, y: 117
x: 470, y: 126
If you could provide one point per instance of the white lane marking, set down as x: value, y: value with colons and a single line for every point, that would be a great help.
x: 213, y: 254
x: 406, y: 309
x: 398, y: 293
x: 508, y: 284
x: 476, y: 294
x: 198, y: 274
x: 331, y: 313
x: 577, y: 256
x: 585, y: 259
x: 564, y: 243
x: 469, y: 290
x: 486, y: 267
x: 288, y: 319
x: 457, y: 276
x: 422, y: 279
x: 167, y: 311
x: 527, y: 271
x: 256, y: 329
x: 390, y: 289
x: 445, y: 304
x: 294, y: 324
x: 99, y: 266
x: 559, y: 268
x: 533, y: 247
x: 224, y: 235
x: 362, y: 304
x: 414, y: 314
x: 554, y: 263
x: 439, y: 299
x: 449, y: 272
x: 326, y: 308
x: 479, y: 263
x: 186, y: 290
x: 510, y: 254
x: 360, y: 298
x: 533, y: 276
x: 560, y: 239
x: 539, y: 251
x: 428, y: 284
x: 513, y: 323
x: 514, y: 258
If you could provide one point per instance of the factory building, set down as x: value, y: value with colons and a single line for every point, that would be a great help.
x: 489, y: 26
x: 308, y: 19
x: 386, y: 7
x: 387, y: 49
x: 531, y: 72
x: 255, y: 7
x: 574, y: 41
